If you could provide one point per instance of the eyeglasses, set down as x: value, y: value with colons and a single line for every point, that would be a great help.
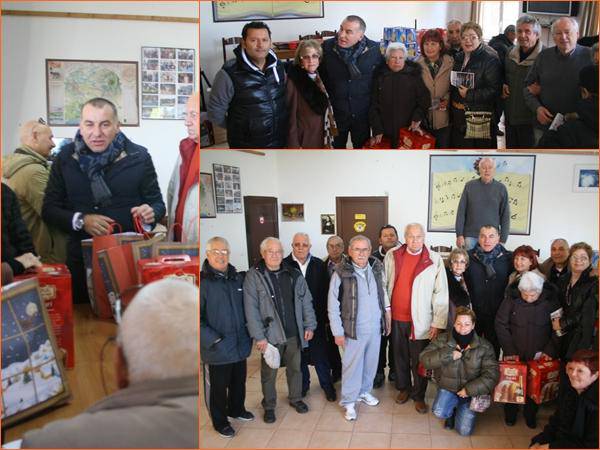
x: 459, y: 261
x: 361, y: 250
x: 192, y: 115
x: 219, y: 252
x: 580, y: 258
x: 300, y: 245
x: 309, y: 57
x: 470, y: 37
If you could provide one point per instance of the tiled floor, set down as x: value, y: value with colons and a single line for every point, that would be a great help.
x: 387, y: 425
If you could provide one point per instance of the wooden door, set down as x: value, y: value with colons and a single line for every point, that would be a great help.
x: 361, y: 215
x: 261, y: 222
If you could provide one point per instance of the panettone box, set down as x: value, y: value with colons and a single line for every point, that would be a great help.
x: 511, y: 387
x: 411, y: 140
x: 542, y: 380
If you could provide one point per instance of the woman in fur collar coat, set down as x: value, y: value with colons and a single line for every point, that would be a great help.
x: 311, y: 122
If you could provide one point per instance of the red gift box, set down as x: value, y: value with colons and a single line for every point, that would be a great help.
x: 411, y: 140
x: 184, y: 267
x: 385, y: 144
x: 512, y: 385
x: 542, y: 380
x: 55, y: 288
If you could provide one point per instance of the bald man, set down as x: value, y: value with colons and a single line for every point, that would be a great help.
x: 26, y: 172
x: 182, y: 195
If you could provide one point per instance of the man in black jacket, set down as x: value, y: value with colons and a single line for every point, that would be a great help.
x: 487, y: 278
x: 99, y: 180
x: 224, y: 340
x: 315, y: 274
x: 350, y: 61
x: 248, y: 93
x: 17, y: 247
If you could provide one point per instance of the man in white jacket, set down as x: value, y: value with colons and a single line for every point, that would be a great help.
x: 182, y: 194
x: 418, y: 292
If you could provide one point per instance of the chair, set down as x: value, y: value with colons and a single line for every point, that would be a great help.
x: 229, y: 41
x: 326, y: 33
x: 441, y: 248
x: 309, y: 36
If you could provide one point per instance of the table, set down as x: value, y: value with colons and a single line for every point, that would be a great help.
x: 85, y: 379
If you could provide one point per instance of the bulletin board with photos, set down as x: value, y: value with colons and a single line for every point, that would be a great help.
x: 168, y: 76
x: 228, y: 188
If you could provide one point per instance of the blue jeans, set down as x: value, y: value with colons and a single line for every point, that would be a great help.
x: 443, y: 408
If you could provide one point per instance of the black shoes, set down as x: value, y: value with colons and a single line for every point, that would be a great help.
x: 299, y: 406
x: 378, y: 381
x: 269, y: 416
x: 530, y: 422
x: 246, y: 416
x: 449, y: 423
x: 227, y: 431
x: 331, y: 395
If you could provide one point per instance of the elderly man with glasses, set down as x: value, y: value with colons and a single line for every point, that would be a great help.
x: 315, y: 274
x: 224, y: 340
x: 279, y: 312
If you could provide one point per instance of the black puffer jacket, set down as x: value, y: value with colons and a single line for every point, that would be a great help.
x: 476, y: 371
x: 574, y: 424
x: 487, y: 292
x: 398, y: 98
x: 16, y: 239
x: 457, y: 296
x: 502, y: 45
x: 579, y: 133
x: 486, y: 66
x: 523, y: 328
x: 350, y: 98
x: 222, y: 317
x: 580, y: 305
x: 257, y: 115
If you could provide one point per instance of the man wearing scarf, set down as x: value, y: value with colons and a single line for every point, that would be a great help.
x: 100, y: 180
x: 248, y: 93
x: 349, y: 64
x: 182, y: 194
x: 486, y: 278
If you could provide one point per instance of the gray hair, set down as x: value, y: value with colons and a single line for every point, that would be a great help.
x: 530, y: 20
x: 300, y: 233
x: 570, y: 19
x: 159, y: 334
x: 564, y: 241
x: 265, y: 242
x: 214, y: 240
x: 487, y: 159
x: 334, y: 238
x: 394, y: 46
x: 510, y: 29
x: 454, y: 22
x: 361, y: 23
x: 531, y: 282
x: 359, y: 237
x: 414, y: 225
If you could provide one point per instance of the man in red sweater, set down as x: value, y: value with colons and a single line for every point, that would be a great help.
x: 418, y: 291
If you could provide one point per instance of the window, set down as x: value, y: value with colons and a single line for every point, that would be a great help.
x: 496, y: 16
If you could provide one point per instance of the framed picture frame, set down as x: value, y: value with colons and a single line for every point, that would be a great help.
x: 228, y: 189
x: 208, y: 208
x: 327, y: 223
x: 448, y: 175
x: 585, y: 178
x: 33, y: 376
x: 270, y: 10
x: 72, y: 82
x: 168, y: 80
x: 292, y: 212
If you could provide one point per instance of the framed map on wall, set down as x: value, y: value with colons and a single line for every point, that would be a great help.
x: 72, y: 82
x: 448, y: 175
x: 237, y: 11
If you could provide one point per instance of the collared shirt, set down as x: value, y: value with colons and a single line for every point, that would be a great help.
x: 304, y: 266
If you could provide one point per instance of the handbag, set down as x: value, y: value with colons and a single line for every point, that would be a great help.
x: 478, y: 124
x: 479, y: 403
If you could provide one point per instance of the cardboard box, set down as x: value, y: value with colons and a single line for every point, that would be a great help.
x: 410, y: 140
x: 543, y: 380
x: 513, y: 383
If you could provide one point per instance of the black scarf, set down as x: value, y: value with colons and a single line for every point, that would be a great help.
x: 94, y: 165
x: 488, y: 258
x: 350, y: 56
x: 308, y: 89
x: 463, y: 341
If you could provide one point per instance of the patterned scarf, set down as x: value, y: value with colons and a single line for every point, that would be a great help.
x: 434, y: 66
x: 331, y: 129
x: 350, y: 56
x: 488, y: 258
x: 94, y: 165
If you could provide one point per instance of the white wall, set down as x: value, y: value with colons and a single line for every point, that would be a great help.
x: 28, y: 41
x: 376, y: 14
x: 315, y: 178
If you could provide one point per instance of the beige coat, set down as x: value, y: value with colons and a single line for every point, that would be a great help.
x: 439, y: 88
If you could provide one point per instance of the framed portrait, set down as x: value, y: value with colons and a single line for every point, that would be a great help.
x: 292, y: 212
x: 327, y: 223
x: 585, y: 178
x: 448, y: 175
x: 168, y: 77
x: 72, y: 82
x: 228, y: 189
x: 232, y: 11
x: 33, y: 376
x: 208, y: 209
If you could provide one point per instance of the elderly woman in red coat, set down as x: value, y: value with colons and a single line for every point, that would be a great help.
x: 311, y: 124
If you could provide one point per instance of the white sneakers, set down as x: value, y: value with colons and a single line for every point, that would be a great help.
x: 350, y: 412
x: 367, y: 398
